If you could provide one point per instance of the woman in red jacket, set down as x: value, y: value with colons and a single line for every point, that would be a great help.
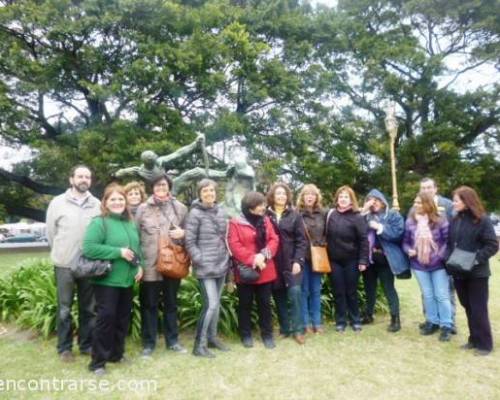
x: 253, y: 244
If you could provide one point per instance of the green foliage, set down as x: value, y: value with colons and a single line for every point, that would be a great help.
x: 28, y: 297
x: 304, y: 89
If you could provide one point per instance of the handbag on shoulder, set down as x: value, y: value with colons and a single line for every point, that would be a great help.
x: 319, y: 254
x: 247, y: 274
x: 461, y: 260
x: 87, y: 268
x: 173, y: 260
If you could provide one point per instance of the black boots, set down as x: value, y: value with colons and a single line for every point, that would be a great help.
x: 367, y: 319
x: 201, y: 350
x: 395, y: 324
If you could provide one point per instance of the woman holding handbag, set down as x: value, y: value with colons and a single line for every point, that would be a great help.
x: 425, y: 242
x: 113, y: 236
x: 161, y: 216
x: 471, y: 232
x: 253, y: 244
x: 310, y: 207
x: 346, y: 234
x: 206, y: 226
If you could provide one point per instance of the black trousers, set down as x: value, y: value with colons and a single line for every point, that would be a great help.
x: 344, y: 279
x: 262, y: 293
x: 150, y: 294
x: 473, y: 296
x: 114, y: 309
x: 66, y: 284
x: 380, y: 269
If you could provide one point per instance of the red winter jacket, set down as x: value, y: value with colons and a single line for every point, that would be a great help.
x: 243, y: 247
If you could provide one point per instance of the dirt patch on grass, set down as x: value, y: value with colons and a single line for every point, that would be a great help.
x: 14, y: 333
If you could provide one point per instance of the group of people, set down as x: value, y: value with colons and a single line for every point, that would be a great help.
x: 267, y: 251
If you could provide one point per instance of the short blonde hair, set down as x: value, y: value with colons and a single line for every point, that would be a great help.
x: 310, y: 187
x: 134, y: 185
x: 352, y: 196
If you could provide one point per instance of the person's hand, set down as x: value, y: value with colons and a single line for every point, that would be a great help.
x: 260, y: 261
x: 362, y: 267
x: 176, y: 233
x: 368, y: 204
x: 139, y: 274
x: 295, y: 268
x: 374, y: 225
x: 127, y: 254
x: 412, y: 253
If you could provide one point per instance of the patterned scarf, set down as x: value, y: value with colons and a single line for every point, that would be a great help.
x: 424, y: 243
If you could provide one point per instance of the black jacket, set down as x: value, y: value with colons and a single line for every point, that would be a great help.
x: 477, y: 237
x: 206, y: 240
x: 347, y: 237
x: 293, y: 245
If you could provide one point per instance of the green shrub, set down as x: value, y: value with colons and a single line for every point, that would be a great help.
x: 28, y: 297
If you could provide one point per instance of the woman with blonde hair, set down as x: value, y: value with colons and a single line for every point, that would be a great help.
x: 310, y: 207
x: 136, y: 195
x: 347, y: 238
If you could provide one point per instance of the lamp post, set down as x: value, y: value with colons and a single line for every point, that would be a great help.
x: 391, y: 124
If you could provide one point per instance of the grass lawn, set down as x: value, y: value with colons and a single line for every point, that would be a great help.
x: 371, y: 365
x: 10, y: 259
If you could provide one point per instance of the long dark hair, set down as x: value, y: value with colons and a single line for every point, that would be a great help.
x: 471, y: 200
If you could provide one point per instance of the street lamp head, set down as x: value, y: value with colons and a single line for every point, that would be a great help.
x: 391, y: 122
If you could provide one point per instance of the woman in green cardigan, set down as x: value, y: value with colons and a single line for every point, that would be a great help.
x: 113, y: 236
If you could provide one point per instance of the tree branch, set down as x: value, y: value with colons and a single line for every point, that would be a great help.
x: 31, y: 184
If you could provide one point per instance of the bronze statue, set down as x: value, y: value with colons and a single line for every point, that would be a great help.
x: 152, y: 165
x: 239, y: 176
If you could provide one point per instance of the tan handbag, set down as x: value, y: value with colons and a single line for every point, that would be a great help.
x: 319, y: 255
x: 173, y: 260
x: 319, y: 260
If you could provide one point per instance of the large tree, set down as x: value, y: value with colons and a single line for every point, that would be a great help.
x: 303, y: 88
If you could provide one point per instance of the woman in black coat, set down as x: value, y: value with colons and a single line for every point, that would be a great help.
x: 471, y: 230
x: 347, y: 238
x: 289, y: 260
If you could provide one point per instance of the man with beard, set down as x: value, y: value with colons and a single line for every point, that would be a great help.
x: 67, y: 218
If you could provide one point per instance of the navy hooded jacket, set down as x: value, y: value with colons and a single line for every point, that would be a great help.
x: 392, y: 234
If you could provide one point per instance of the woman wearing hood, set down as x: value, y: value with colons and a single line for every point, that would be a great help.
x: 206, y: 227
x: 385, y: 232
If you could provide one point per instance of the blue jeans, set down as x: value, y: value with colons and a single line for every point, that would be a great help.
x: 289, y: 310
x: 211, y: 291
x: 311, y: 297
x: 435, y: 287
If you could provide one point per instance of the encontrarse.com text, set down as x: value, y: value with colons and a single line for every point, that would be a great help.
x: 77, y: 385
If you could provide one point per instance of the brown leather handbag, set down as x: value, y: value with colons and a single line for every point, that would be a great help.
x: 173, y: 260
x: 319, y: 255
